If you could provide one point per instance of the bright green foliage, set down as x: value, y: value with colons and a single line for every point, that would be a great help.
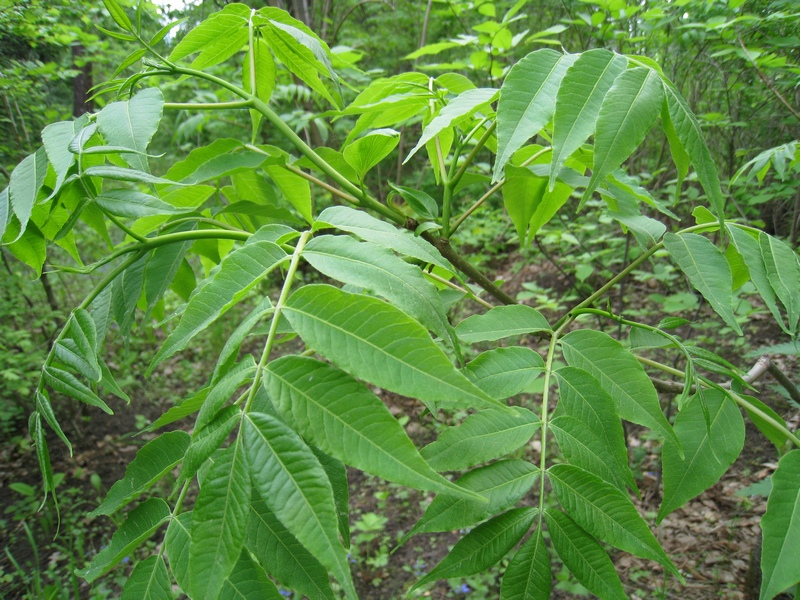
x: 245, y: 222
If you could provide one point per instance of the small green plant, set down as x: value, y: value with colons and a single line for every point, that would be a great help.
x: 275, y: 429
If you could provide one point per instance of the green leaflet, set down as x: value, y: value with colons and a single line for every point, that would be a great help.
x: 217, y: 38
x: 584, y: 556
x: 221, y: 165
x: 627, y: 114
x: 122, y: 174
x: 248, y: 580
x: 29, y: 247
x: 139, y: 525
x: 505, y: 372
x: 283, y: 556
x: 149, y: 580
x: 707, y: 270
x: 343, y: 418
x: 336, y: 472
x: 712, y: 440
x: 176, y: 542
x: 45, y: 409
x: 162, y: 267
x: 687, y: 131
x: 230, y: 351
x: 459, y: 108
x: 56, y: 138
x: 780, y: 526
x: 132, y: 124
x: 527, y: 101
x: 606, y: 513
x: 295, y: 189
x: 783, y: 272
x: 26, y: 181
x: 378, y: 270
x: 237, y: 376
x: 373, y: 340
x: 750, y: 250
x: 501, y: 322
x: 586, y: 449
x: 134, y: 204
x: 582, y: 396
x: 68, y: 384
x: 291, y: 481
x: 366, y: 152
x: 484, y: 436
x: 621, y: 376
x: 153, y: 460
x: 219, y: 522
x: 483, y: 546
x: 580, y: 96
x: 528, y: 576
x: 206, y: 441
x: 422, y: 204
x: 78, y: 348
x: 373, y: 230
x: 239, y: 272
x: 502, y: 483
x: 42, y: 454
x: 127, y: 289
x: 522, y: 194
x: 265, y: 75
x: 4, y: 211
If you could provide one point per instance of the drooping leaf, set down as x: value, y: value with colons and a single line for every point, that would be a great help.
x: 132, y: 124
x: 367, y: 151
x: 522, y: 193
x: 580, y: 96
x: 45, y: 409
x: 149, y: 581
x: 153, y: 460
x: 373, y: 230
x: 139, y: 525
x: 345, y: 419
x: 767, y: 425
x: 291, y: 481
x: 248, y: 580
x: 239, y: 272
x: 66, y: 383
x: 336, y: 472
x: 712, y: 439
x: 783, y: 272
x: 621, y: 376
x: 606, y: 513
x: 378, y: 270
x: 707, y: 270
x: 373, y: 340
x: 501, y: 322
x: 505, y: 372
x: 219, y: 522
x: 484, y: 436
x: 527, y: 101
x: 483, y: 546
x: 528, y: 576
x: 24, y: 185
x: 688, y: 132
x: 584, y: 556
x: 29, y: 247
x: 780, y: 525
x: 628, y: 112
x: 502, y: 483
x: 283, y: 556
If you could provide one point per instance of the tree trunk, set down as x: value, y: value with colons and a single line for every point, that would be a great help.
x: 82, y: 83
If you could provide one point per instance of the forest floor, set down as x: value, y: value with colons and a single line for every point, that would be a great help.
x: 711, y: 539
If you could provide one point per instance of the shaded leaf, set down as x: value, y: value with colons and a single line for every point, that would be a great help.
x: 528, y: 576
x: 366, y: 152
x: 248, y: 580
x: 132, y: 124
x: 149, y: 581
x: 134, y: 204
x: 26, y: 180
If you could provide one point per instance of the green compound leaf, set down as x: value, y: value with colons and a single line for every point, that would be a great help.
x: 292, y: 482
x: 580, y: 96
x: 505, y: 372
x: 239, y: 272
x: 483, y: 546
x: 219, y: 522
x: 627, y: 114
x: 780, y: 561
x: 140, y: 524
x: 501, y: 322
x: 709, y: 451
x: 153, y: 460
x: 378, y: 270
x: 606, y: 513
x: 132, y: 124
x: 343, y: 418
x: 783, y: 272
x: 528, y: 576
x: 621, y: 376
x: 248, y: 580
x: 527, y: 101
x: 149, y: 580
x: 283, y: 556
x: 584, y: 556
x: 707, y: 270
x: 484, y: 436
x: 502, y: 484
x: 373, y: 340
